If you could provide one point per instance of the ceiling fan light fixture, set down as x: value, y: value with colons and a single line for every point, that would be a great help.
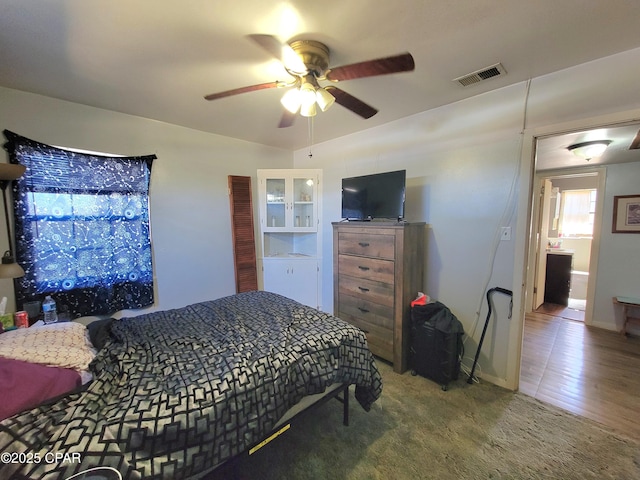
x: 589, y: 150
x: 308, y: 110
x: 292, y: 61
x: 307, y: 100
x: 324, y: 99
x: 291, y: 100
x: 307, y: 94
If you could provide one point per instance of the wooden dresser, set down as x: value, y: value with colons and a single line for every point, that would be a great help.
x: 378, y: 270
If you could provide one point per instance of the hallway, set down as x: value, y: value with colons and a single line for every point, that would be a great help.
x: 568, y: 313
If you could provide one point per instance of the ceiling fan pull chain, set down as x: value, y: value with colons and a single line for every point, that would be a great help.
x: 310, y: 124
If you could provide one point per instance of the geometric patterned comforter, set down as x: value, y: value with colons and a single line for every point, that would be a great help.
x: 178, y: 392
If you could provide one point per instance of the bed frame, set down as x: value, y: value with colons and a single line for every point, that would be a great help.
x: 340, y: 392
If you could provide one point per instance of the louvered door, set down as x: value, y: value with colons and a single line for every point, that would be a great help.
x: 244, y: 246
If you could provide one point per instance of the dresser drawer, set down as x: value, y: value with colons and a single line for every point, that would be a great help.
x: 372, y: 313
x: 367, y: 245
x: 369, y: 268
x: 380, y: 339
x: 378, y: 292
x: 382, y: 347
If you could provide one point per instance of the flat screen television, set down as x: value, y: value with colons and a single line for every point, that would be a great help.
x: 380, y: 195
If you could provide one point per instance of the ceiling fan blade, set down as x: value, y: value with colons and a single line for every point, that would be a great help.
x: 635, y: 143
x: 350, y: 102
x: 287, y: 119
x: 280, y: 51
x: 269, y: 43
x: 237, y: 91
x: 382, y: 66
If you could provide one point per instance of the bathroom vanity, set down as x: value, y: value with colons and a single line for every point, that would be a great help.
x: 558, y: 276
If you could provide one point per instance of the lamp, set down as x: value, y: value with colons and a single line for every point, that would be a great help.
x: 9, y: 172
x: 306, y: 97
x: 589, y: 150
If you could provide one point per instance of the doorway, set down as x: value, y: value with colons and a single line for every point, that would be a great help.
x: 567, y: 212
x: 561, y: 377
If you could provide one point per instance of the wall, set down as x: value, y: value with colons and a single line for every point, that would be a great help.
x: 619, y: 260
x: 462, y: 161
x: 190, y: 219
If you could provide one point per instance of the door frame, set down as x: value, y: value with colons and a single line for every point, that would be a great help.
x: 523, y: 250
x: 536, y: 240
x: 541, y: 219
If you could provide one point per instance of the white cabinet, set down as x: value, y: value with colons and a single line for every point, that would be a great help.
x: 292, y: 277
x: 290, y: 233
x: 289, y: 201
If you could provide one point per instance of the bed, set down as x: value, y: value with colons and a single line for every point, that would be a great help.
x: 177, y: 393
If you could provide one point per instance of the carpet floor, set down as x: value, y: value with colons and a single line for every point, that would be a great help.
x: 418, y: 431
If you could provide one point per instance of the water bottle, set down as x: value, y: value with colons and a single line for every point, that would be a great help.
x: 49, y: 310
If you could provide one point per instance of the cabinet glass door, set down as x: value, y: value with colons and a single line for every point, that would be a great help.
x: 304, y: 201
x: 275, y: 202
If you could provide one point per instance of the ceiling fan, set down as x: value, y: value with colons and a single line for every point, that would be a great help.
x: 307, y: 61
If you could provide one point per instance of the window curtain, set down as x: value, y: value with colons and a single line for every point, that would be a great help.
x: 577, y: 215
x: 82, y: 228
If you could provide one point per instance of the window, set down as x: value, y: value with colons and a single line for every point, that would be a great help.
x: 578, y: 212
x: 82, y: 228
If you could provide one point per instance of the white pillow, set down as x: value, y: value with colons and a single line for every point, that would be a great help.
x: 64, y: 344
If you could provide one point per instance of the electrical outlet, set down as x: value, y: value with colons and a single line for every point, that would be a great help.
x: 505, y: 234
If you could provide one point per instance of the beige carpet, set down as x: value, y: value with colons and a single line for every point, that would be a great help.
x: 418, y: 431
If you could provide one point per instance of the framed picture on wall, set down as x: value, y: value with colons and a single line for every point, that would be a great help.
x: 626, y: 214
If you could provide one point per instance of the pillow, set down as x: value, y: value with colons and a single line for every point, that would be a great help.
x: 65, y: 345
x: 100, y: 332
x: 25, y: 385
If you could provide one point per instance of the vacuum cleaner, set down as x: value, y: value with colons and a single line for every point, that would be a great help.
x: 486, y: 324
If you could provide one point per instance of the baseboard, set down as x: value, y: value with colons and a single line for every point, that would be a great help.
x: 604, y: 326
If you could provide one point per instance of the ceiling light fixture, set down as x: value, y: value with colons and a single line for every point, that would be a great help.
x: 306, y: 97
x: 9, y: 172
x: 307, y: 100
x: 589, y: 150
x: 324, y: 99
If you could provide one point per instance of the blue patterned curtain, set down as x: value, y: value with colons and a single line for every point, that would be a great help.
x: 82, y: 228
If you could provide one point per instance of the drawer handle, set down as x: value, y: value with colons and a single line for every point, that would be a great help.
x: 363, y: 310
x: 363, y: 268
x: 363, y: 244
x: 363, y: 289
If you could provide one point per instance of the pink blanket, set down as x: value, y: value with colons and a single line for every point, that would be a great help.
x: 25, y: 385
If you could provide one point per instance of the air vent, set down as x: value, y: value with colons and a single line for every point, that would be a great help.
x: 480, y: 75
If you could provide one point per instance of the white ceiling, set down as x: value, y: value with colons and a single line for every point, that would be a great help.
x: 552, y: 152
x: 158, y: 58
